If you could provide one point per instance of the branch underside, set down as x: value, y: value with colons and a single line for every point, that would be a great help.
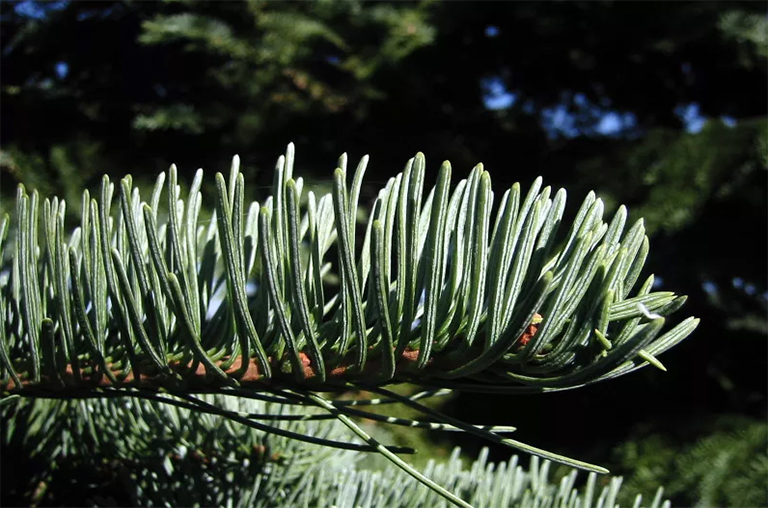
x: 436, y: 293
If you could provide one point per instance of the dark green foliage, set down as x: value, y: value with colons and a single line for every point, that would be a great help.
x: 197, y: 80
x: 729, y: 467
x: 224, y: 75
x: 674, y: 176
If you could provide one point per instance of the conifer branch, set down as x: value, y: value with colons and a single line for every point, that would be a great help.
x: 433, y: 295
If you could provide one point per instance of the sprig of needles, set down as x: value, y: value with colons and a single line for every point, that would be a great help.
x: 437, y: 293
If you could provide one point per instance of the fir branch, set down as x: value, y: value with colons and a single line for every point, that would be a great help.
x: 434, y: 296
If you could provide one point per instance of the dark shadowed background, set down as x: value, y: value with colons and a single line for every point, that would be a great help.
x: 658, y: 105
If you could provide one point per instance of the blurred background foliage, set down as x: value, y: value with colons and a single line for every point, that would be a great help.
x: 661, y: 106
